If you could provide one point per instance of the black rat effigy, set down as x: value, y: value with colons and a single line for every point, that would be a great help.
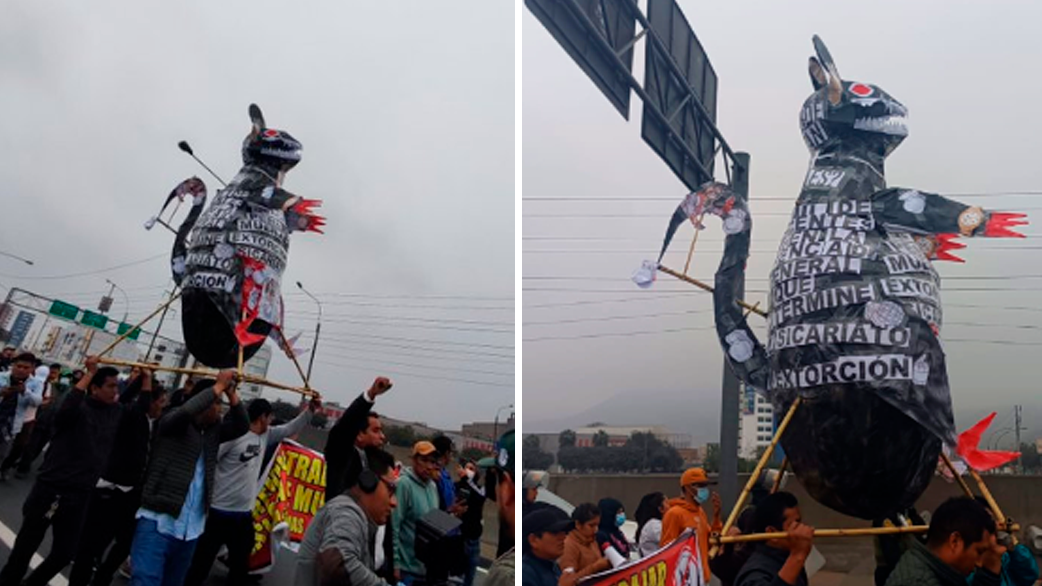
x: 855, y: 311
x: 229, y: 257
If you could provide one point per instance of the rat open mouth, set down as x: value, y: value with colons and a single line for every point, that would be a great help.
x: 894, y: 124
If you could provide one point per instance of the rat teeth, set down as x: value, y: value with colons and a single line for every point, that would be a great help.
x: 884, y: 124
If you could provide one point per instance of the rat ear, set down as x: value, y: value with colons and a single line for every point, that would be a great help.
x: 817, y: 74
x: 835, y: 81
x: 257, y: 118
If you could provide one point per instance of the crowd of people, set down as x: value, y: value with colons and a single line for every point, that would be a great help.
x: 155, y: 484
x: 962, y: 547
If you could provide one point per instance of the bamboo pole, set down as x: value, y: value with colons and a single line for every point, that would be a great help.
x: 207, y: 372
x: 242, y: 349
x: 955, y: 473
x: 759, y: 468
x: 691, y: 251
x: 124, y: 335
x: 293, y: 357
x: 708, y: 288
x: 824, y: 533
x: 781, y: 475
x: 1000, y: 520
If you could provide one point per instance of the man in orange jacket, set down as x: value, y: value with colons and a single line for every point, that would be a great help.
x: 687, y: 513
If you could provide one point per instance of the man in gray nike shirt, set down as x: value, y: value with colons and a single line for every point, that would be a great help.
x: 236, y: 484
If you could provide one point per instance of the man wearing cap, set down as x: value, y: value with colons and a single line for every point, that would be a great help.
x: 499, y: 486
x: 544, y: 531
x: 417, y: 495
x: 686, y: 512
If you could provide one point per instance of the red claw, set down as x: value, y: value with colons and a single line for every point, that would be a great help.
x: 999, y: 225
x: 305, y: 210
x: 946, y: 243
x: 977, y: 458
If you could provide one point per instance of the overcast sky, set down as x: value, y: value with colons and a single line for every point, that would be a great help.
x: 967, y: 72
x: 406, y: 114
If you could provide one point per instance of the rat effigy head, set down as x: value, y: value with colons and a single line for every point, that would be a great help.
x: 840, y: 112
x: 275, y: 150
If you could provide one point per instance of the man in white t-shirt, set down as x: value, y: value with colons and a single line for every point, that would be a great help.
x: 236, y: 484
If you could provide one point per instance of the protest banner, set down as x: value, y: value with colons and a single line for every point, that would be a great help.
x: 294, y: 490
x: 677, y: 564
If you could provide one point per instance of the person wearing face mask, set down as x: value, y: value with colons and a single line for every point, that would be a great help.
x: 610, y: 539
x: 687, y: 512
x: 470, y: 493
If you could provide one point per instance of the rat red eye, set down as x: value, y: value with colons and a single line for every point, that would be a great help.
x: 861, y: 90
x: 271, y: 133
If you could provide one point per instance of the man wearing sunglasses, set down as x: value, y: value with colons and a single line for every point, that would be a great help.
x: 338, y: 544
x: 417, y: 496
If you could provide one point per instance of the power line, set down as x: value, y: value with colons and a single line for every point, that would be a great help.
x: 422, y: 376
x: 767, y: 279
x: 411, y: 351
x: 614, y: 317
x: 428, y: 367
x: 753, y: 199
x: 88, y: 273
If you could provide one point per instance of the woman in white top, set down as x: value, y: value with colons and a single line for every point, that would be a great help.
x: 649, y: 522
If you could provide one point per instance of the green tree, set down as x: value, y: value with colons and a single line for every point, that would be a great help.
x: 474, y: 454
x: 600, y: 439
x: 400, y: 435
x: 283, y: 411
x: 566, y: 439
x: 712, y: 459
x: 533, y: 456
x: 653, y: 454
x: 1029, y: 458
x: 319, y: 420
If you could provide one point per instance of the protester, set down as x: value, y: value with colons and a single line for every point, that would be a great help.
x: 649, y: 522
x: 85, y: 429
x: 499, y: 483
x: 960, y: 537
x: 337, y: 547
x: 36, y: 388
x: 236, y: 484
x: 778, y: 560
x: 472, y: 496
x: 345, y: 435
x: 7, y: 357
x: 178, y: 397
x: 582, y: 556
x: 54, y: 392
x: 609, y: 535
x: 179, y: 481
x: 687, y: 513
x: 544, y: 534
x: 1018, y: 564
x: 531, y: 482
x: 417, y: 496
x: 19, y: 392
x: 890, y: 548
x: 446, y: 488
x: 117, y: 494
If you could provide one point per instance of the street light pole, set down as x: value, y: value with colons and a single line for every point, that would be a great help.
x: 126, y: 299
x: 318, y: 328
x: 495, y: 424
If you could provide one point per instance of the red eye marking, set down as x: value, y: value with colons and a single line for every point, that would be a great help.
x: 861, y: 90
x: 270, y: 133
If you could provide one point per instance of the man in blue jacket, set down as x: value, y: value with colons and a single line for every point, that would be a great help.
x: 1019, y: 567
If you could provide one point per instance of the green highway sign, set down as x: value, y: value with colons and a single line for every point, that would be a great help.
x: 62, y: 309
x: 123, y: 327
x: 94, y: 320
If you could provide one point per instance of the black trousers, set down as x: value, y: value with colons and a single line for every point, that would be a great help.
x: 234, y: 530
x: 46, y: 507
x: 18, y: 446
x: 37, y: 440
x: 110, y: 521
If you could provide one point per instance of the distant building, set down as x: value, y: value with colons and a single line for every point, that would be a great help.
x: 756, y: 424
x: 488, y: 429
x: 257, y: 366
x: 692, y: 456
x: 619, y: 435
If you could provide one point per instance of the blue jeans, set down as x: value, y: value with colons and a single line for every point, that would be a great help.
x: 472, y: 549
x: 157, y: 559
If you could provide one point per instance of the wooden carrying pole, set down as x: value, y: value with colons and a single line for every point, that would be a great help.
x: 293, y: 357
x: 759, y: 468
x: 124, y: 335
x: 781, y: 475
x: 709, y: 288
x: 955, y: 473
x: 249, y: 378
x: 824, y: 533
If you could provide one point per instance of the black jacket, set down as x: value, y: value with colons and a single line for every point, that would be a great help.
x: 761, y: 569
x: 475, y: 499
x: 126, y: 466
x: 177, y: 447
x: 84, y: 432
x: 340, y: 445
x: 920, y: 567
x: 538, y: 572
